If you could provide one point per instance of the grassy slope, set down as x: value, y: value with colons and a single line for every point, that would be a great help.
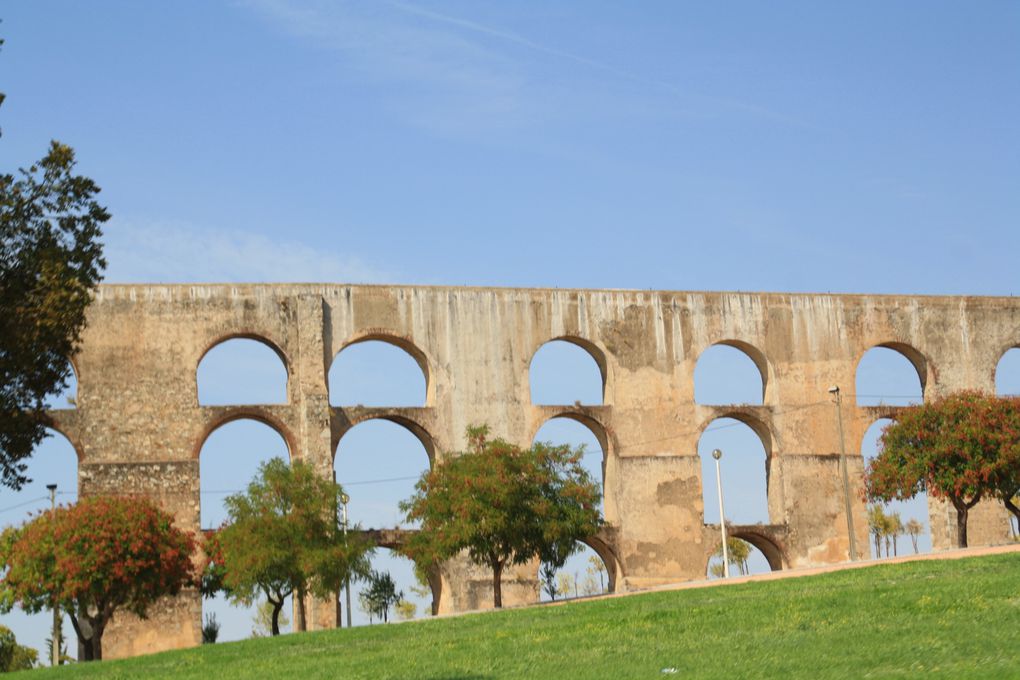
x: 957, y: 618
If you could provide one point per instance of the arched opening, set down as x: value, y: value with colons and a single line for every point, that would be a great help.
x: 730, y: 373
x: 242, y: 371
x: 891, y: 375
x: 567, y: 371
x: 418, y: 596
x: 746, y: 557
x: 564, y: 430
x: 745, y: 472
x: 906, y: 530
x: 1007, y: 373
x: 585, y: 573
x: 378, y: 372
x: 66, y: 398
x: 54, y: 461
x: 228, y: 462
x: 378, y: 463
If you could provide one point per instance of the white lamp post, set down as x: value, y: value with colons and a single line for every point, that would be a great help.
x: 717, y: 454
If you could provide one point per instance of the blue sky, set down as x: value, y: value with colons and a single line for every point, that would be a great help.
x: 854, y: 147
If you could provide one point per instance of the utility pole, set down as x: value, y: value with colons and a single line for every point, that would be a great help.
x: 55, y: 655
x: 717, y: 454
x: 834, y: 390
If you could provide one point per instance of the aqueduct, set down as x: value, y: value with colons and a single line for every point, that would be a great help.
x: 138, y: 427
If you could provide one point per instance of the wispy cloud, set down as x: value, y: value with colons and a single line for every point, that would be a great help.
x: 460, y: 71
x: 148, y: 252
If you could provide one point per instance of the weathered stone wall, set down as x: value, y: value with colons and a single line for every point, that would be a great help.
x: 138, y: 427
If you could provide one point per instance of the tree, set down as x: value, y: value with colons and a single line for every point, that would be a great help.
x: 565, y: 583
x: 504, y: 505
x: 103, y: 555
x: 547, y: 575
x: 914, y: 529
x: 283, y: 537
x: 14, y: 657
x: 1005, y: 477
x: 894, y: 530
x: 739, y: 551
x: 262, y: 620
x: 406, y: 610
x: 380, y: 595
x: 50, y: 263
x: 951, y: 447
x: 598, y: 568
x: 877, y: 524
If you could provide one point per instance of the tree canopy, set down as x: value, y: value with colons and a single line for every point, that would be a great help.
x: 92, y: 559
x: 283, y: 537
x: 961, y: 447
x: 504, y: 505
x: 50, y: 263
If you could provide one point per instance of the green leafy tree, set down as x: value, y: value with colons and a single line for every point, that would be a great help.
x: 504, y: 505
x: 102, y: 555
x: 381, y: 595
x: 406, y: 610
x: 914, y: 529
x: 950, y: 447
x: 877, y: 525
x: 894, y: 529
x: 14, y: 657
x: 50, y: 263
x: 739, y: 551
x: 283, y: 537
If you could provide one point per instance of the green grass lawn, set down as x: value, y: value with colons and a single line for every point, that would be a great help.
x: 954, y: 618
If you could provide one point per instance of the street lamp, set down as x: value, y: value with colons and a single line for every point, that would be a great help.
x: 55, y: 653
x: 717, y: 454
x: 834, y: 391
x: 345, y: 499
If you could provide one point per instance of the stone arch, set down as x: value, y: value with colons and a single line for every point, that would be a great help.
x: 595, y: 427
x: 1006, y: 373
x: 356, y: 417
x: 920, y: 363
x: 66, y: 431
x: 760, y: 427
x: 614, y: 568
x: 755, y: 355
x: 596, y: 353
x: 232, y: 414
x: 771, y: 550
x: 261, y: 339
x: 401, y: 342
x: 754, y: 502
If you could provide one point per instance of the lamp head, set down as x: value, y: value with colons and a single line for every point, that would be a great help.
x: 345, y: 499
x: 834, y: 389
x: 717, y: 454
x: 51, y: 487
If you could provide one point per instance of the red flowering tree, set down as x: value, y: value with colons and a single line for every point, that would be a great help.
x: 504, y: 505
x: 955, y: 448
x: 92, y: 559
x: 1005, y: 478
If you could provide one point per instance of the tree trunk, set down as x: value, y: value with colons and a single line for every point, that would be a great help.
x: 1016, y: 513
x: 497, y: 591
x: 895, y: 546
x: 878, y: 546
x: 961, y: 525
x: 913, y: 539
x: 90, y: 637
x: 301, y: 623
x: 276, y: 617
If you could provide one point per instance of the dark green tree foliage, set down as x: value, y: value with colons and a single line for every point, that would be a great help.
x: 50, y: 263
x: 14, y: 657
x: 381, y: 595
x: 283, y: 537
x: 504, y: 505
